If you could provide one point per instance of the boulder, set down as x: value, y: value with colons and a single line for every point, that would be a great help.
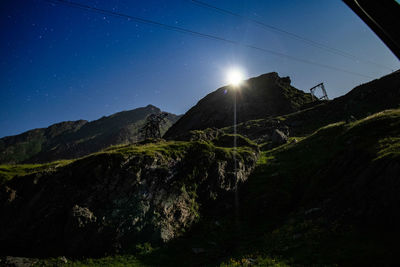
x: 278, y: 138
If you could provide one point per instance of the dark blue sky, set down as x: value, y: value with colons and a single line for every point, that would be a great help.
x: 60, y: 63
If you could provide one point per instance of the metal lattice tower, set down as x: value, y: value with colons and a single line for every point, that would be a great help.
x: 324, y: 94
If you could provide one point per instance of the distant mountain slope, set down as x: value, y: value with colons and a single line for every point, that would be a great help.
x: 73, y: 139
x: 259, y: 97
x: 363, y: 100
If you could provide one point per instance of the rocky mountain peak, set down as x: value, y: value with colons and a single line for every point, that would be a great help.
x: 258, y: 97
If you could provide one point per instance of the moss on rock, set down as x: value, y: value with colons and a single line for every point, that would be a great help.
x: 119, y: 197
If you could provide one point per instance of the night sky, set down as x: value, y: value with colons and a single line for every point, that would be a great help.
x: 61, y: 63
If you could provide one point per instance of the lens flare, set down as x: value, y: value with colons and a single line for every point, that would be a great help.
x: 235, y: 77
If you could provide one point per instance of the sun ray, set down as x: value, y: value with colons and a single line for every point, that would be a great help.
x: 235, y: 77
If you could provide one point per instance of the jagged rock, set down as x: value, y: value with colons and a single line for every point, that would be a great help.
x: 63, y: 259
x: 107, y: 201
x: 278, y: 138
x: 81, y: 217
x: 80, y: 230
x: 208, y: 134
x: 7, y: 194
x: 17, y: 261
x: 262, y: 139
x: 260, y: 131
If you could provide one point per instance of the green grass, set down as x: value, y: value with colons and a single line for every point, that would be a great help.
x: 55, y: 142
x: 9, y: 171
x: 292, y: 179
x: 362, y: 101
x: 283, y: 221
x: 165, y: 149
x: 172, y: 148
x: 177, y: 149
x: 290, y: 208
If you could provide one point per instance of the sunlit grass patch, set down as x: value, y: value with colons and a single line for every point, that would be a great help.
x: 9, y: 171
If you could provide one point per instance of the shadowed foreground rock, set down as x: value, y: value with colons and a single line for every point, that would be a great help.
x: 111, y: 200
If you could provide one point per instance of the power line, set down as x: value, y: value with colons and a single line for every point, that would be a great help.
x: 290, y: 34
x: 191, y: 32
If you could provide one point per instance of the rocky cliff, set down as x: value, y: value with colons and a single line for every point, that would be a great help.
x: 117, y: 198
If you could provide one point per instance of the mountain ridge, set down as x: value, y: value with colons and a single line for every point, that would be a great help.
x: 363, y: 100
x: 325, y: 194
x: 71, y: 139
x: 259, y: 97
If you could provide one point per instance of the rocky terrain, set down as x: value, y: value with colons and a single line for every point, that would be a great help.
x: 72, y: 139
x: 108, y: 201
x: 316, y: 185
x: 260, y: 97
x: 363, y: 100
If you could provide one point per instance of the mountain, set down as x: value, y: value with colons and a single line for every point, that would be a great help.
x: 263, y: 96
x: 325, y: 195
x: 328, y: 199
x: 358, y: 103
x: 74, y: 139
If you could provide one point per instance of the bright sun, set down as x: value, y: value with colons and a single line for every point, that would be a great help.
x: 235, y: 77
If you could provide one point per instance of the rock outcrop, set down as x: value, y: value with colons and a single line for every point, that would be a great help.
x: 278, y: 138
x: 111, y: 200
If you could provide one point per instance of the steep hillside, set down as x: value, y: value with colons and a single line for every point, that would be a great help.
x: 260, y: 97
x: 326, y: 197
x: 363, y: 100
x: 330, y: 199
x: 118, y: 198
x: 74, y: 139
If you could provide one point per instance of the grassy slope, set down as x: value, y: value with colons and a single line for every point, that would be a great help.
x: 259, y: 97
x: 285, y: 216
x: 68, y: 140
x: 7, y: 172
x: 302, y: 190
x: 172, y: 149
x: 360, y: 102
